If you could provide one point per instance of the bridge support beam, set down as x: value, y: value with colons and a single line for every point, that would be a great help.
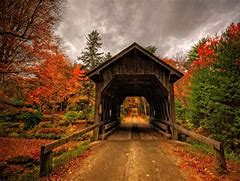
x: 98, y: 112
x: 172, y: 111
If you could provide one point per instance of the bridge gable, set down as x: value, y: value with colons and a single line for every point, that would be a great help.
x: 135, y: 60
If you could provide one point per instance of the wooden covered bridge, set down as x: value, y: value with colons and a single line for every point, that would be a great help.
x: 132, y: 72
x: 135, y: 72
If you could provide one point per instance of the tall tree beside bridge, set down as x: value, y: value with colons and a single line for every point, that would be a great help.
x: 215, y: 95
x: 91, y: 57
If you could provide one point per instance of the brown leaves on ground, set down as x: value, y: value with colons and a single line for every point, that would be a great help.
x: 199, y: 166
x: 14, y: 147
x: 195, y: 165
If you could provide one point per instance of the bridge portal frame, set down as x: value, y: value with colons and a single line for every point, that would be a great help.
x: 135, y: 72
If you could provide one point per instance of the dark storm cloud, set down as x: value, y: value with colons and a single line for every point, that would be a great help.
x: 171, y: 25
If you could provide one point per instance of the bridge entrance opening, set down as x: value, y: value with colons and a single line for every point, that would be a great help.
x: 135, y: 110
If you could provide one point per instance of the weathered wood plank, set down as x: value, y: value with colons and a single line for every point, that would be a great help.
x: 159, y: 124
x: 220, y: 159
x: 172, y: 110
x: 106, y: 134
x: 109, y: 125
x: 45, y: 162
x: 168, y: 136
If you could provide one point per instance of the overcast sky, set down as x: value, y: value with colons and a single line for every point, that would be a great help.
x: 171, y: 25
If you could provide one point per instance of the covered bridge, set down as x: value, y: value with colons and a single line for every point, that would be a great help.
x: 135, y: 72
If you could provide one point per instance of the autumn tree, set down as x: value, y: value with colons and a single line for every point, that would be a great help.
x: 182, y: 85
x: 91, y: 57
x: 52, y: 77
x: 82, y: 96
x: 21, y: 22
x: 215, y: 95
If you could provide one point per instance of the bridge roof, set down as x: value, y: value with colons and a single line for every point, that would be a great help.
x: 93, y: 74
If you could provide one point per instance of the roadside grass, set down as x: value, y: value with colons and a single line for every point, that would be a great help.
x: 29, y: 176
x: 63, y: 158
x: 198, y: 146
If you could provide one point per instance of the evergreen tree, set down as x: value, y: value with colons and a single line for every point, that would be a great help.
x: 91, y: 57
x: 107, y: 56
x: 151, y: 48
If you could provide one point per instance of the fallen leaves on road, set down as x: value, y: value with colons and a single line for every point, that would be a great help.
x: 199, y: 166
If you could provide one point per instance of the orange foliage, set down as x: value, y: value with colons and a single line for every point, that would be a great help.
x: 52, y: 78
x: 233, y: 30
x: 55, y: 78
x: 181, y: 86
x: 205, y: 57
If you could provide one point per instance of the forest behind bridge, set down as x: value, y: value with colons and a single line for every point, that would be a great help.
x: 45, y: 96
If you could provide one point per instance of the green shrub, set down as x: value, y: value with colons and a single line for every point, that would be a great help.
x: 47, y: 125
x: 9, y: 117
x: 14, y: 134
x: 197, y: 145
x: 70, y: 117
x: 30, y: 119
x: 233, y: 156
x: 9, y: 125
x: 29, y: 176
x: 73, y: 153
x: 182, y: 114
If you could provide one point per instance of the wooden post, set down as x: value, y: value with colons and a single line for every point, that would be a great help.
x: 220, y: 160
x: 45, y: 162
x: 98, y: 112
x: 96, y: 134
x: 103, y: 131
x: 117, y: 111
x: 163, y: 109
x: 172, y: 112
x: 167, y: 112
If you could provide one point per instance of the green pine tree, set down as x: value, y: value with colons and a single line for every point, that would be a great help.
x: 151, y: 48
x: 91, y: 57
x: 107, y: 56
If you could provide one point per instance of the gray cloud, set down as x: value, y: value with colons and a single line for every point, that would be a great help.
x: 171, y: 25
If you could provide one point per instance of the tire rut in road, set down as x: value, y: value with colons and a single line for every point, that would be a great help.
x: 135, y: 132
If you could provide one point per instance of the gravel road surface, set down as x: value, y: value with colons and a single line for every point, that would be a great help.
x: 132, y: 153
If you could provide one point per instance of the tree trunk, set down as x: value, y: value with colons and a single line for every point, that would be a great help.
x: 52, y: 113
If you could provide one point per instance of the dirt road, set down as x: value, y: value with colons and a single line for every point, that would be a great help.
x: 132, y: 153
